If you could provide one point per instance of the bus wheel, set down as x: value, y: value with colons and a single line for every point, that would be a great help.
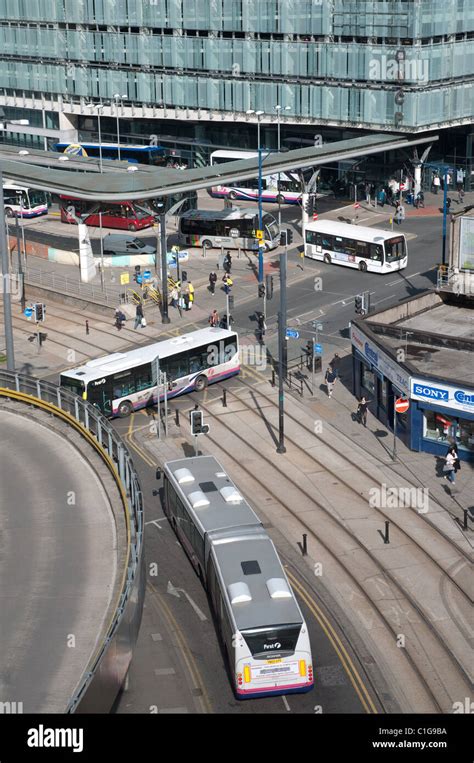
x: 200, y: 383
x: 232, y: 195
x: 132, y: 227
x: 125, y: 409
x: 327, y: 259
x: 207, y: 244
x: 363, y: 266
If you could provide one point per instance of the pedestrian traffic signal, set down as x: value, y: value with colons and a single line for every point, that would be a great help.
x: 269, y: 286
x: 184, y: 275
x: 261, y: 290
x: 310, y: 347
x: 359, y: 304
x: 289, y: 236
x: 197, y: 423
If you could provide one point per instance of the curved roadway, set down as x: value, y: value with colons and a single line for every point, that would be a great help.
x: 58, y: 561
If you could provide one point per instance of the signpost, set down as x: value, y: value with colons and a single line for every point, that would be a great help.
x: 400, y: 405
x: 292, y: 334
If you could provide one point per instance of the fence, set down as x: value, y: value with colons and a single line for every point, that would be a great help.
x: 103, y: 677
x: 74, y: 287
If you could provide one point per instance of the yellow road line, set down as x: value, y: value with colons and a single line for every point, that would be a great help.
x: 338, y: 646
x: 186, y: 652
x: 135, y: 447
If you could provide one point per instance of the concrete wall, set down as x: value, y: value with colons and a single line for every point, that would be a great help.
x: 407, y: 309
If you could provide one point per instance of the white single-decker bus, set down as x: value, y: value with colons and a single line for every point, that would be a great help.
x: 368, y: 249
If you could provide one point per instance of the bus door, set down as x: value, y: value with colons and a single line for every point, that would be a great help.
x: 99, y: 393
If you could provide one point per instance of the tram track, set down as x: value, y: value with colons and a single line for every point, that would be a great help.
x: 425, y: 661
x: 369, y: 475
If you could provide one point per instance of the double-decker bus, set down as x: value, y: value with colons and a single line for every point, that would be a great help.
x: 123, y: 382
x: 154, y: 155
x: 125, y: 215
x: 368, y: 249
x: 20, y: 201
x: 261, y: 626
x: 286, y: 191
x: 232, y: 228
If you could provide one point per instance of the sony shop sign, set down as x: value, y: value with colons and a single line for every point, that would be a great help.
x: 457, y: 398
x: 389, y: 368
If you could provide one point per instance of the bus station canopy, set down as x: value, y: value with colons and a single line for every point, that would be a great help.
x: 120, y: 181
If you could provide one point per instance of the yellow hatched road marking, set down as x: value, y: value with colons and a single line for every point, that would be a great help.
x: 135, y: 447
x: 338, y: 647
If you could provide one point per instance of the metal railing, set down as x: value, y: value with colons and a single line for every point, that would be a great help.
x: 74, y: 287
x: 106, y: 440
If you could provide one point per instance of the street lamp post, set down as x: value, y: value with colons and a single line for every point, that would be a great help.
x: 118, y: 98
x: 7, y: 306
x: 258, y: 114
x: 99, y: 107
x: 445, y: 214
x: 278, y: 109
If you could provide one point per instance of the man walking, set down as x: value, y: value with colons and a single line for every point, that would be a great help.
x: 227, y: 283
x: 214, y: 319
x: 335, y: 364
x: 139, y: 316
x: 330, y: 380
x: 212, y: 282
x: 362, y: 410
x: 227, y: 263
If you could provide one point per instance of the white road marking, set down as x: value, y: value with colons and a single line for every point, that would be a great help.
x: 156, y: 522
x: 176, y: 592
x: 285, y: 702
x: 383, y: 300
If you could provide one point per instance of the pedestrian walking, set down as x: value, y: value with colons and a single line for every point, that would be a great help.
x: 436, y: 184
x: 367, y: 192
x: 139, y: 316
x: 212, y: 282
x: 185, y: 296
x: 330, y: 380
x: 335, y: 364
x: 449, y: 468
x: 227, y: 283
x: 460, y: 194
x: 420, y: 200
x: 190, y: 295
x: 261, y: 326
x: 399, y: 213
x: 174, y: 297
x: 227, y: 264
x: 362, y: 410
x: 214, y: 319
x: 382, y: 197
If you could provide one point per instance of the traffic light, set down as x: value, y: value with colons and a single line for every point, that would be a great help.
x: 39, y: 312
x: 308, y: 205
x: 231, y: 302
x: 286, y: 237
x: 310, y: 347
x: 184, y: 276
x: 197, y: 423
x: 138, y: 269
x: 359, y: 304
x: 269, y: 285
x: 261, y: 290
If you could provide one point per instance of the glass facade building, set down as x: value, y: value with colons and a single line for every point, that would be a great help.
x: 394, y: 65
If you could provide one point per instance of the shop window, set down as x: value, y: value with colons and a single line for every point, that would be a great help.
x: 438, y: 426
x: 383, y: 393
x: 368, y: 379
x: 465, y: 435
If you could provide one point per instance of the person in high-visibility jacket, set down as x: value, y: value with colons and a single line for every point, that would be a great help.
x: 190, y: 295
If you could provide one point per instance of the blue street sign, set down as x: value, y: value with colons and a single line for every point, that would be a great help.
x: 147, y: 275
x: 318, y: 348
x: 139, y: 278
x: 292, y: 334
x: 28, y: 312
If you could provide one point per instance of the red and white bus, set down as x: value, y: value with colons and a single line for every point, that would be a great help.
x: 126, y: 215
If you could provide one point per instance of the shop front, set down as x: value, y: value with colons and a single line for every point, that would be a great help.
x: 381, y: 380
x: 442, y: 414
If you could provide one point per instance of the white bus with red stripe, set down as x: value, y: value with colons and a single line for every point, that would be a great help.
x: 258, y: 619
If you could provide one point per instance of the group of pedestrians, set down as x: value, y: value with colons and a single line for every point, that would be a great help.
x: 182, y: 295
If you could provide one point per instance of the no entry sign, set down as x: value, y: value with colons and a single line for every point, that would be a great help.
x: 402, y: 405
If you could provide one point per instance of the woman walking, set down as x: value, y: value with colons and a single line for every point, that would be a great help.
x: 451, y: 459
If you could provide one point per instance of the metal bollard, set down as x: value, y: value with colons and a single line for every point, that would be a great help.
x: 87, y: 327
x: 176, y: 417
x: 273, y: 377
x: 224, y: 398
x: 387, y: 532
x: 465, y: 527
